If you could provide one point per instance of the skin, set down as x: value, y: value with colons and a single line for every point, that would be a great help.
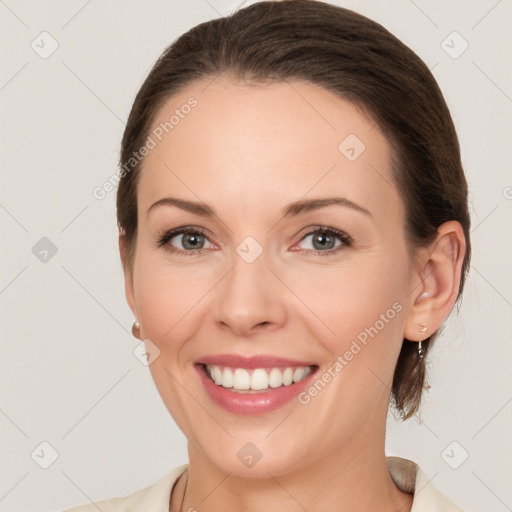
x: 248, y: 151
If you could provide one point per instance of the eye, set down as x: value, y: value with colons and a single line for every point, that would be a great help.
x: 192, y: 240
x: 323, y: 240
x: 187, y: 240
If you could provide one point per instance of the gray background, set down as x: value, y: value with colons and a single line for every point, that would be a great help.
x: 68, y: 373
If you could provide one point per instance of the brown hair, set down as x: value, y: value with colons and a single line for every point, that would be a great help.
x: 357, y: 59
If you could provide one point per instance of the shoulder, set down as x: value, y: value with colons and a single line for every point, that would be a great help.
x: 154, y: 497
x: 409, y: 477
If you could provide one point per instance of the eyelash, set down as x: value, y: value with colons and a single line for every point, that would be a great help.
x: 169, y: 235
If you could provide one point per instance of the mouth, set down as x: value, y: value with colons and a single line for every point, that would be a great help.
x: 255, y: 380
x: 253, y: 385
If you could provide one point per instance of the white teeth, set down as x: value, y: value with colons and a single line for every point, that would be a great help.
x: 217, y: 375
x: 275, y: 379
x: 257, y: 379
x: 242, y: 379
x: 298, y: 374
x: 287, y: 376
x: 228, y: 379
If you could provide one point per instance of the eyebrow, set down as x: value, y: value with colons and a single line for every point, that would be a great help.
x: 291, y: 210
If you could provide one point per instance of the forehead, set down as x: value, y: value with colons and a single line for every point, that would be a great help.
x: 265, y: 142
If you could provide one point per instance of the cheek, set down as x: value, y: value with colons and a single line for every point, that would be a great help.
x: 170, y: 296
x: 349, y: 298
x: 171, y: 305
x: 358, y: 319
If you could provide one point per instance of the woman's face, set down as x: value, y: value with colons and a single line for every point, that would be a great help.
x: 260, y: 278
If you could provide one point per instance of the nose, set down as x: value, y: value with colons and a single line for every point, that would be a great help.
x: 250, y: 299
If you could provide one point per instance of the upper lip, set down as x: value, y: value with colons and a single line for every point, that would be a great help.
x: 250, y: 362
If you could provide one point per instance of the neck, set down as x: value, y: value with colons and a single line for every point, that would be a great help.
x: 353, y: 477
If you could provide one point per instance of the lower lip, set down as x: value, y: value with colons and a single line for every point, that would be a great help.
x: 251, y: 403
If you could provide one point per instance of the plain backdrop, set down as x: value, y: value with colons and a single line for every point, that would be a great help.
x: 69, y: 378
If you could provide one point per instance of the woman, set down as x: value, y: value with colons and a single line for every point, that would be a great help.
x: 294, y: 232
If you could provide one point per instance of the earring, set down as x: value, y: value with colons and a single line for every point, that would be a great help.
x: 421, y: 352
x: 135, y: 329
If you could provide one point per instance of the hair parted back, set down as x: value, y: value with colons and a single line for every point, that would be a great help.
x: 353, y: 57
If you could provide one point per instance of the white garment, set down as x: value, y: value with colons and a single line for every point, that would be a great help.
x: 155, y: 498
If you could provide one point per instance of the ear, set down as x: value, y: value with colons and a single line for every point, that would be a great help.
x: 128, y: 273
x: 436, y: 279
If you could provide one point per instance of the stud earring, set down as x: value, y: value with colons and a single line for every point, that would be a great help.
x: 135, y: 329
x: 421, y: 352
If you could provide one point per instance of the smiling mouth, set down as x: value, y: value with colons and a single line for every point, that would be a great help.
x: 256, y: 380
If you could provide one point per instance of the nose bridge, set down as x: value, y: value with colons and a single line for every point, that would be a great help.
x: 247, y: 297
x: 247, y: 280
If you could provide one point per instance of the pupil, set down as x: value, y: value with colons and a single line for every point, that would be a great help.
x: 187, y: 239
x: 324, y: 240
